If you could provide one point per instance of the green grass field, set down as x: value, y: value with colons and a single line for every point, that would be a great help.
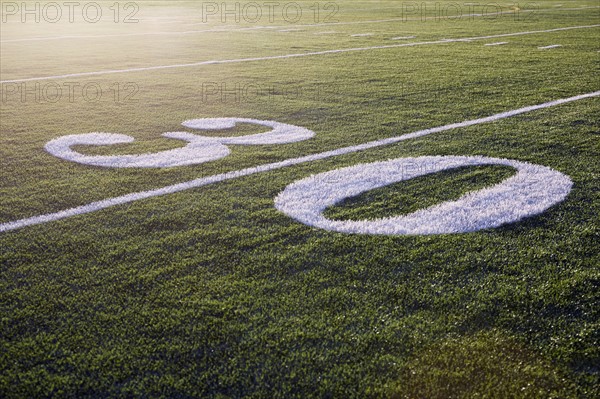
x: 214, y: 292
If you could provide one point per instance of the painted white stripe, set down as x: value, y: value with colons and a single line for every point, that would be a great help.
x: 507, y: 12
x: 402, y: 37
x: 278, y: 57
x: 445, y: 39
x: 361, y: 35
x: 550, y: 46
x: 204, y: 181
x: 495, y: 44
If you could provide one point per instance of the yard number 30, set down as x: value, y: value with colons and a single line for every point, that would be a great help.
x: 532, y: 190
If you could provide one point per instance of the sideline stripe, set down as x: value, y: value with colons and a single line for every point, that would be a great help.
x: 204, y: 181
x: 277, y: 57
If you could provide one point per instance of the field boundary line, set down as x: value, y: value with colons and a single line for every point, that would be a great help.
x: 204, y: 181
x: 296, y: 55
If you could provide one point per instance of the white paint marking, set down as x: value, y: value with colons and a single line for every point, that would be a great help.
x: 361, y: 35
x: 282, y: 133
x: 200, y: 149
x: 531, y: 191
x: 285, y: 56
x: 403, y: 37
x: 495, y: 44
x: 549, y: 47
x: 204, y: 181
x: 197, y: 151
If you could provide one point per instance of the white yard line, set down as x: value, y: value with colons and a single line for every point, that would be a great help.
x: 495, y: 44
x: 284, y: 56
x: 550, y: 46
x: 402, y: 37
x: 399, y: 8
x: 204, y: 181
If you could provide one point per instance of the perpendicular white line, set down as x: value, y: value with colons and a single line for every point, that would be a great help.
x: 204, y: 181
x: 284, y: 56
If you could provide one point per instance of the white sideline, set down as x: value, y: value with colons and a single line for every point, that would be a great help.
x: 204, y: 181
x: 284, y: 56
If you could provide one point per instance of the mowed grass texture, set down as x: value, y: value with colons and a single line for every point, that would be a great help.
x: 212, y: 292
